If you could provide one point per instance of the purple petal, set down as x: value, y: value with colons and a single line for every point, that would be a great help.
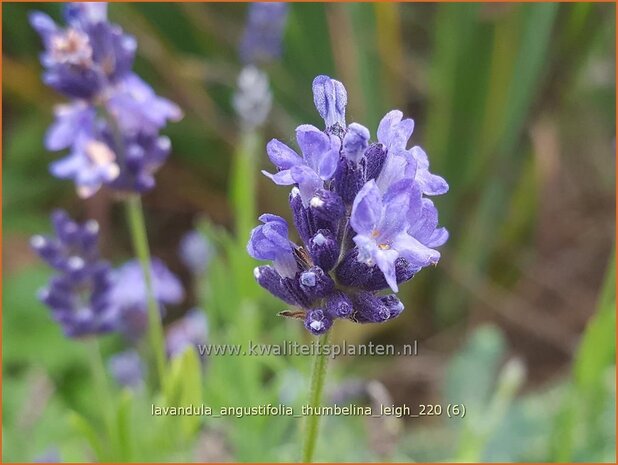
x: 282, y: 178
x: 72, y: 121
x: 313, y: 144
x: 69, y: 166
x: 308, y: 182
x: 438, y: 238
x: 366, y: 209
x: 414, y: 252
x: 282, y: 156
x: 385, y: 260
x: 42, y: 24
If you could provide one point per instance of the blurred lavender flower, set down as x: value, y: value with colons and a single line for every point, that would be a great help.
x: 189, y: 331
x: 360, y: 210
x: 252, y: 99
x: 195, y: 252
x: 51, y: 455
x: 79, y: 293
x: 261, y: 42
x: 90, y: 61
x: 127, y: 369
x: 129, y: 295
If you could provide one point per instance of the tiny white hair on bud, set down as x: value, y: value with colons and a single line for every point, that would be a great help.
x: 295, y: 192
x: 316, y: 202
x: 319, y: 239
x: 317, y: 325
x: 256, y: 272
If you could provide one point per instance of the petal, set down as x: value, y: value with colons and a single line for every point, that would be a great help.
x: 313, y: 144
x: 69, y: 166
x: 282, y: 178
x: 282, y: 156
x: 422, y: 226
x: 396, y: 201
x: 43, y: 24
x: 393, y: 170
x: 72, y: 121
x: 385, y: 259
x: 401, y: 133
x: 327, y: 163
x: 308, y: 182
x: 386, y: 124
x: 438, y: 238
x: 432, y: 184
x: 366, y: 209
x: 421, y: 157
x: 417, y: 254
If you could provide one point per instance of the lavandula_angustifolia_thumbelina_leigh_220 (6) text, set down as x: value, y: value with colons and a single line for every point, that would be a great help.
x: 363, y: 213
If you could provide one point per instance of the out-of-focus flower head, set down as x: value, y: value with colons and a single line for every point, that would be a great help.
x: 127, y: 369
x: 195, y: 252
x: 188, y: 332
x: 111, y: 124
x: 261, y: 42
x: 129, y: 294
x: 360, y: 210
x: 252, y: 99
x: 78, y: 295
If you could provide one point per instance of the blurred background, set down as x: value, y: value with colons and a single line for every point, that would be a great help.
x: 515, y: 106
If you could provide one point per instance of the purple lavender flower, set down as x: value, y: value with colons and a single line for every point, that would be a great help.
x: 129, y: 295
x: 360, y: 211
x: 79, y: 294
x: 189, y: 331
x: 127, y: 369
x: 261, y: 42
x: 195, y: 252
x: 90, y: 61
x: 309, y: 172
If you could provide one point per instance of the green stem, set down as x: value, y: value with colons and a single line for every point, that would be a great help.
x: 97, y: 367
x: 318, y: 376
x: 243, y: 182
x: 135, y: 216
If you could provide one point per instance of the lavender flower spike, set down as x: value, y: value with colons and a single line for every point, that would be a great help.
x: 79, y: 294
x: 261, y: 42
x: 127, y: 369
x: 90, y: 61
x: 360, y: 211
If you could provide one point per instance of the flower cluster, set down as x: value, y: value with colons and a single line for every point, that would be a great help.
x: 361, y: 210
x: 111, y: 124
x: 261, y: 42
x: 79, y: 294
x: 260, y: 45
x: 87, y: 296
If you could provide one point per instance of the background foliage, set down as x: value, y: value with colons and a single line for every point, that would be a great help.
x: 515, y: 105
